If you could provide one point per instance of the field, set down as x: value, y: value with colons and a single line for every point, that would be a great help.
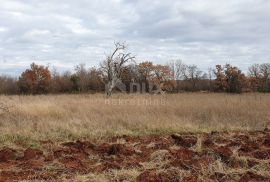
x: 173, y: 137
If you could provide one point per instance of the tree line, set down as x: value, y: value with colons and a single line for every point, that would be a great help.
x: 120, y: 67
x: 172, y: 77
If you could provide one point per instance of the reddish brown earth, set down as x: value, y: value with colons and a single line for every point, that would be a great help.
x: 244, y: 156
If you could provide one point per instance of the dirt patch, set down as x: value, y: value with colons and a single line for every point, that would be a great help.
x: 7, y: 154
x: 30, y: 154
x: 250, y: 177
x: 153, y: 158
x: 224, y: 153
x: 185, y: 141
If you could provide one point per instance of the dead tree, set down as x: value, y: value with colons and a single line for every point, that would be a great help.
x: 114, y: 65
x: 177, y: 67
x: 192, y: 74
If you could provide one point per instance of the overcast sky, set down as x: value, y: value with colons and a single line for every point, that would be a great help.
x: 68, y: 32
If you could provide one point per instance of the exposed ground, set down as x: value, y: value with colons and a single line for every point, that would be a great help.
x: 233, y: 156
x: 219, y: 137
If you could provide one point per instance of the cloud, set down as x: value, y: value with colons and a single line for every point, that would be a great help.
x: 3, y: 29
x: 202, y: 32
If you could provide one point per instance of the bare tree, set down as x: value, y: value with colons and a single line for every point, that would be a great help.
x: 177, y: 67
x: 210, y: 77
x: 255, y: 77
x: 83, y: 77
x: 265, y: 72
x: 254, y: 71
x: 114, y: 65
x: 192, y: 73
x: 8, y: 85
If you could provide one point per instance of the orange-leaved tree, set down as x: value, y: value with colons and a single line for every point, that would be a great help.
x: 220, y: 81
x: 163, y: 76
x: 235, y: 79
x: 157, y: 75
x: 35, y: 80
x: 229, y: 78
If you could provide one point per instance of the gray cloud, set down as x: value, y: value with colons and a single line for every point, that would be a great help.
x: 66, y: 33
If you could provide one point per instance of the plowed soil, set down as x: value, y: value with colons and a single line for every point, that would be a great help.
x: 215, y: 156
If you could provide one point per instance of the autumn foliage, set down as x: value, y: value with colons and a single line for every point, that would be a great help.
x: 169, y: 78
x: 35, y: 80
x: 158, y: 75
x: 259, y: 77
x: 229, y: 79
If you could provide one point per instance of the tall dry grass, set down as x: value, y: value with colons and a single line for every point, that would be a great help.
x: 65, y: 117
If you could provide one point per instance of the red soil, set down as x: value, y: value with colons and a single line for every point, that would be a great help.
x: 83, y: 157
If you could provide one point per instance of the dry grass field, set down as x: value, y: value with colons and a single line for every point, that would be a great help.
x: 130, y: 137
x: 66, y: 117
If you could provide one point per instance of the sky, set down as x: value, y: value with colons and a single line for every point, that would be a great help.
x: 65, y: 33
